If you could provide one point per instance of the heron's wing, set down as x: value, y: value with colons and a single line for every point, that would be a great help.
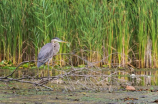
x: 46, y: 52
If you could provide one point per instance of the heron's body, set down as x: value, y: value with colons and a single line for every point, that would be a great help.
x: 48, y: 51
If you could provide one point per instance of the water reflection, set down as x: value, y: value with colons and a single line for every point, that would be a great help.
x: 140, y: 78
x: 144, y: 78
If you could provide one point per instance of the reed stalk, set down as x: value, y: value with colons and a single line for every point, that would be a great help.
x: 100, y: 28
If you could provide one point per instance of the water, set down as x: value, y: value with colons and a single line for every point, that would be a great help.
x: 82, y: 79
x: 139, y: 77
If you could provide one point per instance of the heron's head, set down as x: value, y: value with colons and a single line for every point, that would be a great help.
x: 57, y: 40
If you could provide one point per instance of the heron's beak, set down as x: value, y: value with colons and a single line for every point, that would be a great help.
x: 61, y: 41
x: 68, y: 43
x: 64, y: 42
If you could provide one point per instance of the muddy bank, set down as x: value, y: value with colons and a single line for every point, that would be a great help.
x: 32, y: 96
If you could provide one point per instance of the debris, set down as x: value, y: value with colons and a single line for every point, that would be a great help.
x: 130, y: 88
x: 128, y: 98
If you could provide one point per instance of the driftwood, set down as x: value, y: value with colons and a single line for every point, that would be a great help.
x: 92, y: 79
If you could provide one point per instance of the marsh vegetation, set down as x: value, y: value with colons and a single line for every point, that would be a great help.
x: 108, y: 40
x: 95, y: 29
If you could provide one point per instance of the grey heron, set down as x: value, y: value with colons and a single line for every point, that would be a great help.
x: 48, y: 51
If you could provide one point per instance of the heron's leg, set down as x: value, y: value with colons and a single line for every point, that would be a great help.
x: 48, y: 70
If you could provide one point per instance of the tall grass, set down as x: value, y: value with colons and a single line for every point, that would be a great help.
x: 94, y: 28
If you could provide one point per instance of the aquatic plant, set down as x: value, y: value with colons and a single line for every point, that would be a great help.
x: 95, y: 29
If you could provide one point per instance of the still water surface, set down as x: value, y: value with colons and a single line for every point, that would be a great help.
x: 139, y: 78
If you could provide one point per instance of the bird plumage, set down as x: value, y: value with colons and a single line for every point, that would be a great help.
x: 47, y: 52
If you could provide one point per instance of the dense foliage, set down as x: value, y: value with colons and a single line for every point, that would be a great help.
x: 119, y: 29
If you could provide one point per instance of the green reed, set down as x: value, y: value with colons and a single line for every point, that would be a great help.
x: 95, y: 29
